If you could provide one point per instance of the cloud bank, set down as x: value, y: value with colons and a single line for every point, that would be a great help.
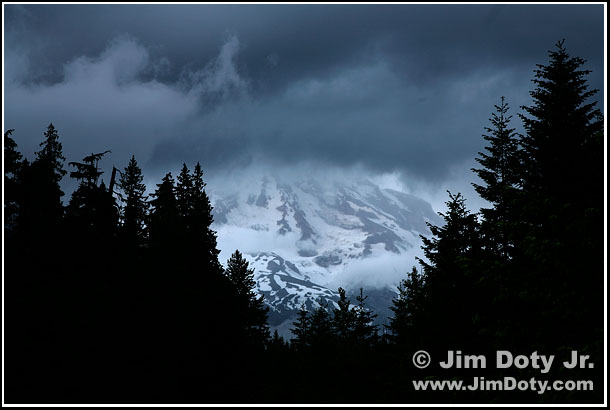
x: 402, y: 90
x: 397, y: 93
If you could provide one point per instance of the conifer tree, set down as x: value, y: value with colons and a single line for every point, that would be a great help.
x: 453, y: 254
x: 500, y: 173
x: 203, y: 237
x: 301, y: 330
x: 87, y: 172
x: 51, y: 156
x: 344, y: 319
x: 452, y: 241
x: 251, y: 307
x: 560, y: 124
x: 185, y: 195
x: 560, y: 230
x: 365, y: 331
x: 92, y: 213
x: 41, y: 208
x: 277, y: 343
x: 12, y: 157
x: 501, y: 165
x: 13, y: 162
x: 164, y: 218
x: 321, y: 335
x: 135, y: 210
x: 405, y: 324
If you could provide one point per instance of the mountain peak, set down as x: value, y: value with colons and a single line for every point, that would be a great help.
x: 304, y: 237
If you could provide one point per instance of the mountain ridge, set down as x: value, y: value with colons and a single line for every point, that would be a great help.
x: 304, y: 238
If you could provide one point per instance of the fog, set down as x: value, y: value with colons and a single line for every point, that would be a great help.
x: 382, y: 269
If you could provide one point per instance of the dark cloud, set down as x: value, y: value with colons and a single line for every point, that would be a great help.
x: 404, y: 88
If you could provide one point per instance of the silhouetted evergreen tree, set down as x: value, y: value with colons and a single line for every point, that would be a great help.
x: 453, y: 254
x: 365, y: 331
x: 500, y: 173
x: 185, y: 196
x: 40, y: 209
x: 13, y: 162
x: 91, y: 214
x: 560, y: 124
x: 321, y: 335
x: 12, y: 157
x: 344, y: 319
x: 499, y: 276
x: 134, y: 213
x: 277, y: 343
x: 195, y: 288
x: 560, y: 226
x: 501, y: 165
x: 51, y: 155
x: 203, y: 237
x: 252, y: 309
x: 300, y: 330
x: 164, y: 227
x: 406, y: 323
x: 87, y: 172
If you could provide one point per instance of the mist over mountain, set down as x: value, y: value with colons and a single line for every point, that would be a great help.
x: 307, y: 235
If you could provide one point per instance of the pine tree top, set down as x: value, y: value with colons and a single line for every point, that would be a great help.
x: 241, y: 275
x: 51, y: 153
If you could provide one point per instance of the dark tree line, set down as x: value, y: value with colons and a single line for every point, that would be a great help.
x: 119, y: 297
x: 525, y: 274
x: 116, y: 297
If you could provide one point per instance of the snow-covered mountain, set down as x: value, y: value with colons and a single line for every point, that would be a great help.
x: 305, y: 238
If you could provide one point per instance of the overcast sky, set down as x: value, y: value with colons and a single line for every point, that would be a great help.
x: 400, y: 89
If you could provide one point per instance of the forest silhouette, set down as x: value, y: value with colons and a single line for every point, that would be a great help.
x: 117, y: 296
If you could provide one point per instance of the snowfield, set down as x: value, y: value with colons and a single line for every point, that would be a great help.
x: 304, y: 238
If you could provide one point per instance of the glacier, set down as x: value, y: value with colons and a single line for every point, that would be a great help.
x: 304, y: 237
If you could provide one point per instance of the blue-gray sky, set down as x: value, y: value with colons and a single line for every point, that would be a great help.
x: 390, y: 88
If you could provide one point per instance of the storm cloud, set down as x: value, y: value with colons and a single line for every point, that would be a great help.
x: 401, y: 89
